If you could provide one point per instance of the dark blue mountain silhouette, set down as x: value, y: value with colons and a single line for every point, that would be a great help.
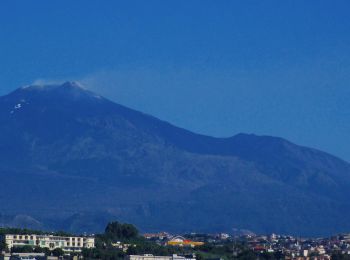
x: 72, y: 159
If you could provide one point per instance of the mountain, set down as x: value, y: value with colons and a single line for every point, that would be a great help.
x: 71, y: 159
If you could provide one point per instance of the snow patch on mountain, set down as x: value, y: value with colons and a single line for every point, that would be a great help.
x: 72, y: 87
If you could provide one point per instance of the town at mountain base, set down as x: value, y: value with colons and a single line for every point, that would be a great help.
x: 123, y: 241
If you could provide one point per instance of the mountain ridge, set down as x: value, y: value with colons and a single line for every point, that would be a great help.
x: 104, y: 157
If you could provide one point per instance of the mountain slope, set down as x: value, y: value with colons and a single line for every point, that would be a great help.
x: 65, y: 150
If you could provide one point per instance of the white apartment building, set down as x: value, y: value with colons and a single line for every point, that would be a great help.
x: 67, y: 244
x: 152, y: 257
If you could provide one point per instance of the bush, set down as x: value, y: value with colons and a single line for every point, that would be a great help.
x: 22, y: 249
x: 57, y: 252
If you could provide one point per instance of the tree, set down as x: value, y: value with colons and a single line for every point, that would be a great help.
x: 339, y: 256
x: 39, y: 249
x: 246, y: 255
x: 118, y: 231
x: 3, y: 246
x: 99, y: 253
x: 57, y: 252
x: 200, y: 256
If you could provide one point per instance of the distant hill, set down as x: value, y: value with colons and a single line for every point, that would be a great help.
x: 71, y: 159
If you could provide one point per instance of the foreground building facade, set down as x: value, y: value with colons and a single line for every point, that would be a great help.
x: 67, y: 244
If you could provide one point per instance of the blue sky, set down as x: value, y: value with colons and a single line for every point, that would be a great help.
x: 277, y: 68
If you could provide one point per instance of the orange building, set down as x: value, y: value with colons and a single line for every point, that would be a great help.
x: 181, y: 241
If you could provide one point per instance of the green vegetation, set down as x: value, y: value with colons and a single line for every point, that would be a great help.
x: 3, y: 246
x: 57, y: 252
x: 339, y: 256
x: 209, y: 250
x: 30, y: 249
x: 118, y: 231
x: 103, y: 253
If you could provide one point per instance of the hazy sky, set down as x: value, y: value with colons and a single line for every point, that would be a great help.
x: 215, y: 67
